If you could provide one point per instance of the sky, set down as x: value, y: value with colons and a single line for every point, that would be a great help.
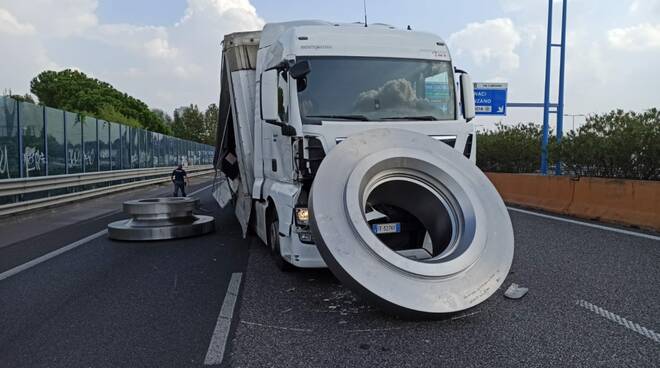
x: 167, y: 52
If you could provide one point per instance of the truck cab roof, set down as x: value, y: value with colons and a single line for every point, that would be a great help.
x: 320, y: 38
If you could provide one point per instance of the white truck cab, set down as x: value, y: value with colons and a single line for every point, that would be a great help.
x: 293, y: 91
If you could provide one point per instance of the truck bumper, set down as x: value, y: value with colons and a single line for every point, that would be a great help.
x: 303, y: 255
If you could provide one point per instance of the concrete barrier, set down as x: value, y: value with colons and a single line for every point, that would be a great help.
x: 627, y: 202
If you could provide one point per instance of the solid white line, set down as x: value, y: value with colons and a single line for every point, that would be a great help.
x: 67, y: 248
x: 200, y: 190
x: 650, y: 334
x: 601, y: 227
x: 50, y: 255
x: 216, y: 351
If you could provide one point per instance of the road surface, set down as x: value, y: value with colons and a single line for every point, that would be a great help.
x: 593, y: 301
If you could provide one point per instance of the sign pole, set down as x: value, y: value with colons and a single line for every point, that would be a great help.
x: 560, y: 102
x: 546, y: 99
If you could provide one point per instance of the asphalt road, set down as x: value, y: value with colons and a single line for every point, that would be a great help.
x: 118, y: 304
x: 307, y: 319
x: 115, y: 304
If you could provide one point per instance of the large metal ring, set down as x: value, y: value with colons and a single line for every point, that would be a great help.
x: 470, y: 245
x: 159, y: 219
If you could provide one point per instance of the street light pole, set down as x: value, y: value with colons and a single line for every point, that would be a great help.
x: 573, y: 120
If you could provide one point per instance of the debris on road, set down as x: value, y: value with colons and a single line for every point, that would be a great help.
x: 275, y: 327
x: 515, y: 291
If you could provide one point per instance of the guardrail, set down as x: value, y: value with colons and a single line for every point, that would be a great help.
x: 17, y: 187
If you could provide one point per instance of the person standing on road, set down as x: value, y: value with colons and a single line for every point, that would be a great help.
x: 180, y: 179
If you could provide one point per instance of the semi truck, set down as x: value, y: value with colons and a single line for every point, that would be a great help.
x: 352, y: 146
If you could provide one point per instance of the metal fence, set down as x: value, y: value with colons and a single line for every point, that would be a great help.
x: 40, y: 141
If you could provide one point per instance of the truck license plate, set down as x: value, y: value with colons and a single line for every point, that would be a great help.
x: 391, y: 228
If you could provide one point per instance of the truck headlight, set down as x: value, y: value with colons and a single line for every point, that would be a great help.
x: 302, y: 216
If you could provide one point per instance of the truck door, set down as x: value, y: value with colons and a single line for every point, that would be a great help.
x: 276, y: 148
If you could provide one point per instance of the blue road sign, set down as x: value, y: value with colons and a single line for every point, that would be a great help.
x: 490, y: 98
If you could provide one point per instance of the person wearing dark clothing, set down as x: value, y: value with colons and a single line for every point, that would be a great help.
x: 180, y: 179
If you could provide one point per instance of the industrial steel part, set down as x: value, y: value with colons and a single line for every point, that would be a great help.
x: 410, y: 223
x: 159, y: 219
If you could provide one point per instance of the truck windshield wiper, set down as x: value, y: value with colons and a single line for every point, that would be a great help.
x: 344, y: 117
x: 425, y: 117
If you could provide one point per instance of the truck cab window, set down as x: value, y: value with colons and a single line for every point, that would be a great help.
x: 377, y: 89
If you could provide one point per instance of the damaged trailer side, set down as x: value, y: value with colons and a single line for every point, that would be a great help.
x: 236, y: 123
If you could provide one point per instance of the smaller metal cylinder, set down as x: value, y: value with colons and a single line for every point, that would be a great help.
x: 160, y: 219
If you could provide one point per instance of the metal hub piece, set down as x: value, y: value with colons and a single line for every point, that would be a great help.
x: 449, y: 240
x: 159, y: 219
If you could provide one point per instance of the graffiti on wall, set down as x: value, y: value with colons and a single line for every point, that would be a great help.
x: 33, y: 160
x: 90, y: 157
x: 74, y: 157
x: 4, y: 163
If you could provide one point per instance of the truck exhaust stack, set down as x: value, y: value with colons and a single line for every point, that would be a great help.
x: 352, y: 148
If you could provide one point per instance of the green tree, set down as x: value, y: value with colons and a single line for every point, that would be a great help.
x: 515, y: 149
x: 163, y: 116
x: 20, y: 98
x: 178, y: 129
x: 75, y: 91
x: 189, y: 123
x: 23, y: 98
x: 210, y: 124
x: 618, y: 144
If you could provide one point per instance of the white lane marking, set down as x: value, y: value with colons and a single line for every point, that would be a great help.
x: 216, y: 351
x: 67, y: 248
x: 620, y: 320
x: 601, y: 227
x: 50, y: 255
x: 200, y: 190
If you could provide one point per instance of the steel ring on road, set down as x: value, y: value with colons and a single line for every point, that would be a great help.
x: 468, y: 247
x: 160, y: 219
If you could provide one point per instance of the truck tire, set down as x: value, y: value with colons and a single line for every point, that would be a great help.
x: 398, y: 172
x: 274, y: 243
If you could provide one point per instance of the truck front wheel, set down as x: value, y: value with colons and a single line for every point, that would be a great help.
x: 274, y: 243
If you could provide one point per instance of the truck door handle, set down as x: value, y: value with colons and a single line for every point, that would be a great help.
x: 273, y: 165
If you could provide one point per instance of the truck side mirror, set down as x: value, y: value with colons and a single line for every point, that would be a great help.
x: 269, y: 98
x: 467, y: 96
x: 271, y: 101
x: 300, y: 69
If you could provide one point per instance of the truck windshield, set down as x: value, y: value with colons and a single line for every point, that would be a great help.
x: 376, y: 89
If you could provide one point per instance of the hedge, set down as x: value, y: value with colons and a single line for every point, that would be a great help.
x: 614, y: 145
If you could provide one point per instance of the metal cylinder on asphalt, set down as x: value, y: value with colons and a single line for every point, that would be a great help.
x: 160, y: 219
x: 463, y: 247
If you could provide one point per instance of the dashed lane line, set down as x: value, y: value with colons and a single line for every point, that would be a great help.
x: 650, y: 334
x: 201, y: 190
x: 216, y: 351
